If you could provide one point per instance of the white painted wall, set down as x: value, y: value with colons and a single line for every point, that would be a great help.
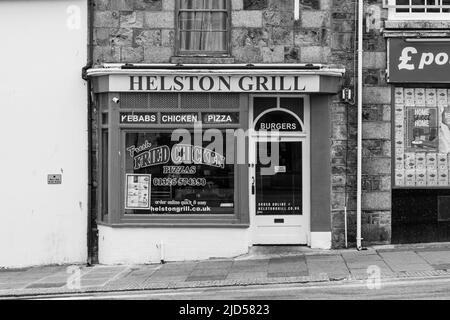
x: 139, y: 245
x: 43, y: 129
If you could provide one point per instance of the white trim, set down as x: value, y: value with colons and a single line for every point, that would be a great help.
x: 300, y: 136
x: 203, y: 69
x: 321, y: 240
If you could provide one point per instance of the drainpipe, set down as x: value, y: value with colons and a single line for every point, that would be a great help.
x: 90, y: 206
x: 359, y: 142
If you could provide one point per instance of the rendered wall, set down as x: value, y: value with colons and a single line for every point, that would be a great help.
x: 139, y: 245
x: 43, y: 131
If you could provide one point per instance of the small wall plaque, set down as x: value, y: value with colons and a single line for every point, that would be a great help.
x: 54, y: 178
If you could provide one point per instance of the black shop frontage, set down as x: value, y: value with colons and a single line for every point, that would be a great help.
x: 418, y: 72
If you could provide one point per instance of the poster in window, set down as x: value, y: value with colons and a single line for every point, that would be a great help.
x: 422, y: 129
x: 137, y: 191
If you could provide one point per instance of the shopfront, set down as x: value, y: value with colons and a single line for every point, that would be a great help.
x: 198, y: 163
x: 418, y: 70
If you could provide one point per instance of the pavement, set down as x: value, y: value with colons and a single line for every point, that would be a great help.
x: 262, y: 266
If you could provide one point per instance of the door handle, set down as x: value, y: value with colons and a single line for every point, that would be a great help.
x: 253, y: 185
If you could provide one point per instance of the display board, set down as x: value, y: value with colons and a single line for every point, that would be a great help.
x: 421, y: 137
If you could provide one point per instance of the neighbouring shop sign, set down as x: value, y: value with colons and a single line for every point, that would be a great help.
x: 412, y: 61
x: 215, y: 83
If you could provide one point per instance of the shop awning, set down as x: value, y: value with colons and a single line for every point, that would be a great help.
x: 246, y: 78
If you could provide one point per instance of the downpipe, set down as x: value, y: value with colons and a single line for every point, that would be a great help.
x: 359, y: 132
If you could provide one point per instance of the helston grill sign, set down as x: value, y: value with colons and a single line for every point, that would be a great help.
x: 411, y: 60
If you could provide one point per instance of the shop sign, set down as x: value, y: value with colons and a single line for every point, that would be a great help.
x: 138, y: 117
x: 209, y: 82
x: 220, y: 117
x: 145, y: 156
x: 179, y: 118
x: 410, y: 60
x: 278, y: 121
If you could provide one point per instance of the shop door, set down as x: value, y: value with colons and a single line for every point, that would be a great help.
x: 279, y: 191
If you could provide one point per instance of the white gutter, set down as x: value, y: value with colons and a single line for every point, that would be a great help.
x: 164, y: 70
x: 359, y: 142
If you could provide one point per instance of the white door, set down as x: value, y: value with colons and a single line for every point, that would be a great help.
x: 279, y: 191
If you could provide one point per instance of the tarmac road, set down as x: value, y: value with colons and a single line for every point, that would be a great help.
x: 419, y: 288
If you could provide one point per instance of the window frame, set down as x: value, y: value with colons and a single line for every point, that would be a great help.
x: 418, y: 16
x: 224, y: 53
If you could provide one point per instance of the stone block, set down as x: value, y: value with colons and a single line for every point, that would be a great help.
x: 314, y: 54
x: 167, y: 37
x: 281, y: 35
x: 157, y: 54
x: 377, y: 95
x: 159, y: 19
x: 101, y: 4
x: 121, y: 5
x: 291, y: 54
x: 241, y: 37
x: 106, y: 54
x: 326, y: 4
x: 102, y: 36
x: 106, y: 19
x: 306, y: 37
x: 168, y: 5
x: 130, y: 54
x: 148, y: 38
x: 376, y: 130
x: 278, y: 18
x: 251, y: 4
x: 273, y: 54
x: 374, y: 60
x: 237, y: 4
x: 315, y: 19
x: 376, y: 166
x: 309, y: 5
x: 248, y: 54
x: 281, y: 5
x: 149, y: 5
x: 133, y: 19
x: 376, y: 201
x: 247, y: 18
x: 122, y: 37
x: 343, y: 41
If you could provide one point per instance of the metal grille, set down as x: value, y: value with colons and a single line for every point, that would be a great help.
x: 194, y: 101
x: 134, y: 100
x: 225, y: 101
x: 163, y: 100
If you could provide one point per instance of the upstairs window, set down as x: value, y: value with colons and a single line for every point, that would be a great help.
x: 418, y: 9
x: 203, y: 27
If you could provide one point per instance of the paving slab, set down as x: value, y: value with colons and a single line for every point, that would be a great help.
x: 435, y: 257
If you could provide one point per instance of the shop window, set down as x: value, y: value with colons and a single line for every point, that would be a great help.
x: 421, y: 137
x: 418, y: 9
x: 165, y: 177
x: 203, y: 27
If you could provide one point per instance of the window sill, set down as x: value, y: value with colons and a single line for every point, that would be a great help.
x: 417, y: 24
x: 173, y: 225
x: 201, y: 59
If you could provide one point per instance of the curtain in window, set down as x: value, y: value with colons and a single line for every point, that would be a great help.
x: 203, y: 30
